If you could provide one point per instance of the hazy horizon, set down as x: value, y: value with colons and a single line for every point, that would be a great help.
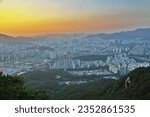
x: 70, y: 33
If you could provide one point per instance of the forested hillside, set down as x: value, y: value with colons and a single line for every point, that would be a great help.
x: 134, y: 86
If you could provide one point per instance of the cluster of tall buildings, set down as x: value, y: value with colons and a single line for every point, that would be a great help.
x: 122, y: 64
x: 65, y: 64
x: 17, y: 53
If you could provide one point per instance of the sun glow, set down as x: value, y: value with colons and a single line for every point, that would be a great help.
x: 53, y: 16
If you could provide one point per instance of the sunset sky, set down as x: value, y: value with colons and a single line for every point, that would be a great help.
x: 25, y: 17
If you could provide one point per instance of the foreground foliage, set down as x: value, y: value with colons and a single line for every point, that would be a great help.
x: 13, y: 87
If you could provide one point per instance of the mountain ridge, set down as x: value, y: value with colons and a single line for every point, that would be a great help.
x: 138, y: 33
x: 5, y: 35
x: 6, y: 38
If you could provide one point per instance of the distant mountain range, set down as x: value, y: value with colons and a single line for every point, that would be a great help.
x: 141, y: 33
x: 134, y: 34
x: 6, y: 38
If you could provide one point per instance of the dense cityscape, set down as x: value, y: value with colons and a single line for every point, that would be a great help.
x: 77, y: 54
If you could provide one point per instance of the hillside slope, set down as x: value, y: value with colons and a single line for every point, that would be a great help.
x: 135, y: 86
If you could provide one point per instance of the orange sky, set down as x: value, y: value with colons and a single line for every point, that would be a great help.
x: 21, y: 17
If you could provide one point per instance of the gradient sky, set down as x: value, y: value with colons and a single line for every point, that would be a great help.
x: 21, y: 17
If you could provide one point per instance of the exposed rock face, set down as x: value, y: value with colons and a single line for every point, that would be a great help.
x: 127, y: 82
